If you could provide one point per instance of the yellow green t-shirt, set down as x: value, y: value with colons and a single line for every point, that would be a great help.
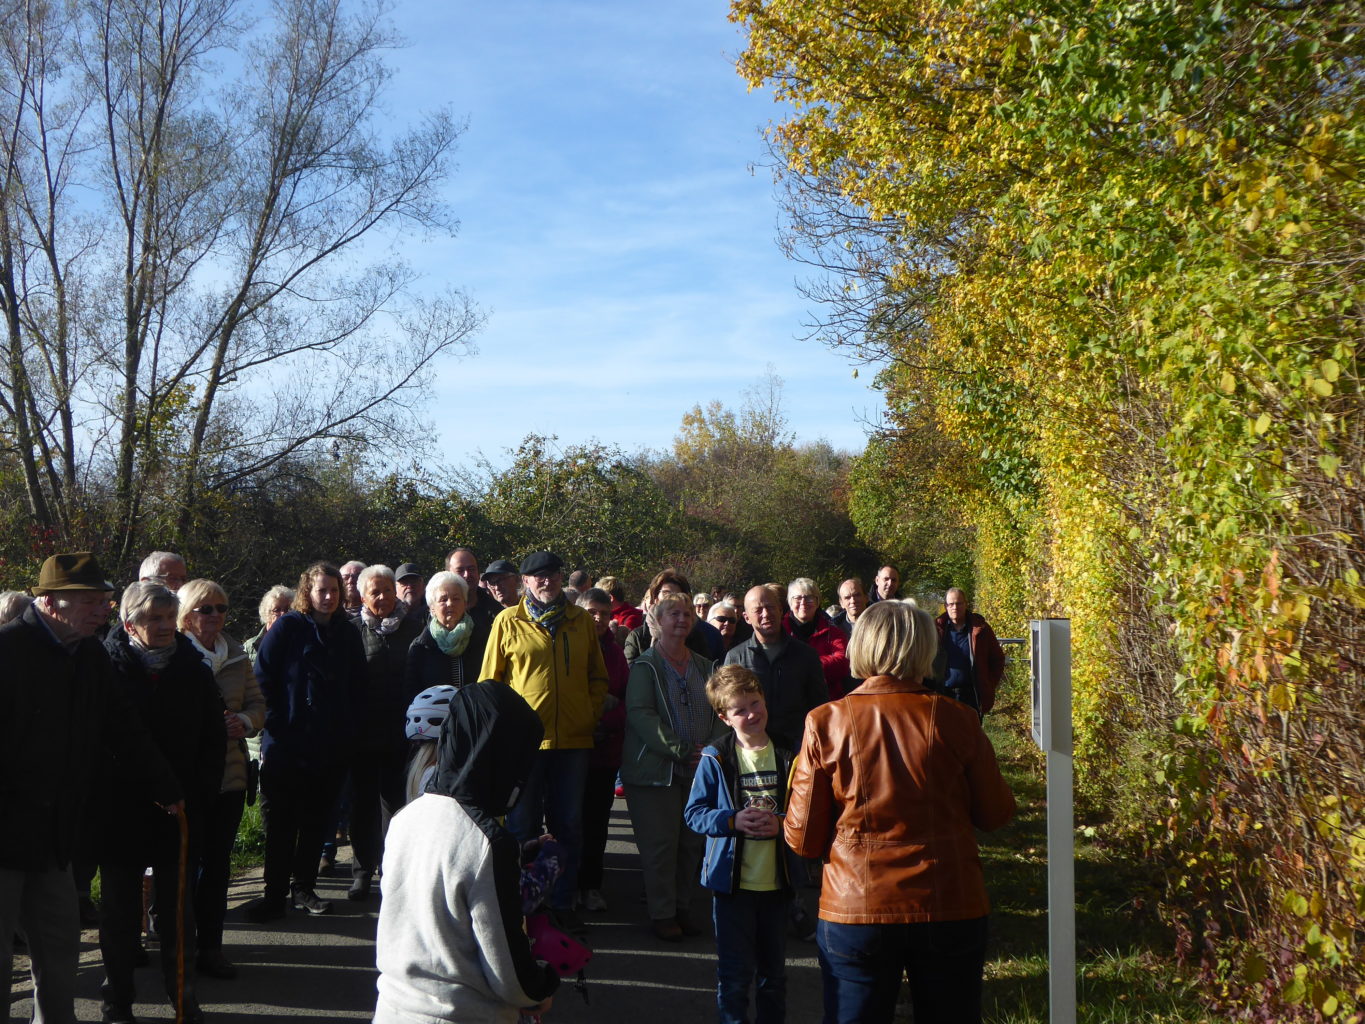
x: 758, y: 787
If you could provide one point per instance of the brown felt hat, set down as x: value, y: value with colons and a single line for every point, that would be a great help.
x: 75, y: 570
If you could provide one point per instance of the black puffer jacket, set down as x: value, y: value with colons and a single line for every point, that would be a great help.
x: 384, y: 695
x: 429, y: 666
x: 63, y: 721
x: 182, y: 710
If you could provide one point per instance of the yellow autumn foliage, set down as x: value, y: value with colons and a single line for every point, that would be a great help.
x: 1115, y: 254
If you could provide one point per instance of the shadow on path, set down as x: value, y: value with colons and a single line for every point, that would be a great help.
x: 323, y: 967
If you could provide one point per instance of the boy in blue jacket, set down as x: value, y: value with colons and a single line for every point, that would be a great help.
x: 738, y: 797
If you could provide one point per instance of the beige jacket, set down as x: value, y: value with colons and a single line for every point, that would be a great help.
x: 242, y: 696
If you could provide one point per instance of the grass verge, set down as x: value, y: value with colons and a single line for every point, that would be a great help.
x: 1126, y: 973
x: 250, y: 849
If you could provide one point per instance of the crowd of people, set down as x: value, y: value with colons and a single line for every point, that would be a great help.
x: 765, y: 745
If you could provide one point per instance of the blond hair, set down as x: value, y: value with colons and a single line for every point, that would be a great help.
x: 195, y: 593
x: 728, y: 682
x: 667, y: 601
x: 893, y: 638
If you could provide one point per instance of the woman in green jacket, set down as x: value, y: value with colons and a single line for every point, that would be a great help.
x: 668, y: 721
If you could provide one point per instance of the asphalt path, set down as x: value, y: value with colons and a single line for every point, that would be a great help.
x: 323, y: 967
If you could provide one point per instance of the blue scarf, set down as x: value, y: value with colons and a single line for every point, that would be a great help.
x: 547, y: 616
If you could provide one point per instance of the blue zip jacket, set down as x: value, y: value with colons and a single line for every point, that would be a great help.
x: 711, y: 808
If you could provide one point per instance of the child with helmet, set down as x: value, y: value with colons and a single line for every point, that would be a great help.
x: 426, y: 714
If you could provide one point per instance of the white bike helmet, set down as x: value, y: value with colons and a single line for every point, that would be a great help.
x: 428, y: 711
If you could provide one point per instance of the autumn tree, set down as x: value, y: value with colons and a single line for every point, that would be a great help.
x: 1113, y: 252
x: 209, y: 315
x: 760, y: 506
x: 592, y: 504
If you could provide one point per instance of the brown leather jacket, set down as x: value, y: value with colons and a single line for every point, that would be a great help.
x: 888, y: 786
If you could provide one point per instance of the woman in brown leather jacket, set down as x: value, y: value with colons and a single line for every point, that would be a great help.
x: 889, y: 784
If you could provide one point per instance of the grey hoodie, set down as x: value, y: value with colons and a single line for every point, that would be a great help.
x: 450, y: 945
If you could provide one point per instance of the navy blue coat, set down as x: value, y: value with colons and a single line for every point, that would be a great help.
x: 311, y: 677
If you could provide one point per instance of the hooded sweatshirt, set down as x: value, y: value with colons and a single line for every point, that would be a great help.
x: 450, y: 945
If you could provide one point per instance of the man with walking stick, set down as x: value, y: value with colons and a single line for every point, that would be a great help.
x: 58, y: 706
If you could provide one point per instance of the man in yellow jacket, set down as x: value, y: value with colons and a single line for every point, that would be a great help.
x: 547, y: 650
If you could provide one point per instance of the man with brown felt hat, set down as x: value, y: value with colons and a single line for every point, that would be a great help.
x: 61, y: 720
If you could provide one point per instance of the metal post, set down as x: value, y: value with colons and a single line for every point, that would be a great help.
x: 1051, y: 664
x: 1061, y: 891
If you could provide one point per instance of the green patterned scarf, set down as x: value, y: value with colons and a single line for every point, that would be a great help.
x: 453, y: 641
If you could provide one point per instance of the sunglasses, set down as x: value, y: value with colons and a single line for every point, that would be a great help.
x: 209, y: 609
x: 722, y: 618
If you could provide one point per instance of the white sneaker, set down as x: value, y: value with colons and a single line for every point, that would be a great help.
x: 592, y: 900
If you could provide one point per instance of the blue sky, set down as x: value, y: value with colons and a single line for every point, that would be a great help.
x: 612, y: 226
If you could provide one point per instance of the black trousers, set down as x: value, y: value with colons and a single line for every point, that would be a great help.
x: 214, y: 869
x: 599, y: 791
x: 377, y: 792
x: 155, y: 843
x: 296, y: 806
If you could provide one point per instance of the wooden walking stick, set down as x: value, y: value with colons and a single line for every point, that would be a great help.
x: 180, y: 882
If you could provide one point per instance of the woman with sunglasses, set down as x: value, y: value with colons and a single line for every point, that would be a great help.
x: 725, y: 617
x: 668, y: 721
x: 203, y: 613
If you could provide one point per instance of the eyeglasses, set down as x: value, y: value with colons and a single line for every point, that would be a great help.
x: 723, y: 618
x: 209, y: 609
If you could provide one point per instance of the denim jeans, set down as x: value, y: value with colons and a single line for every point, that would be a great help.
x: 751, y: 945
x: 861, y: 966
x: 553, y: 801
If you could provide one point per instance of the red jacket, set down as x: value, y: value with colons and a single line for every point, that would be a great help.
x: 611, y: 727
x: 831, y: 644
x: 627, y: 615
x: 988, y: 657
x: 888, y: 787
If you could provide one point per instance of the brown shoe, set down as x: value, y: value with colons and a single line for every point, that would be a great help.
x: 688, y: 927
x: 667, y: 929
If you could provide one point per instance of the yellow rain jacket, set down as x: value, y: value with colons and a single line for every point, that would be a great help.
x: 564, y: 680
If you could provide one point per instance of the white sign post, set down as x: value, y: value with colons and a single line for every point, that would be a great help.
x: 1051, y: 663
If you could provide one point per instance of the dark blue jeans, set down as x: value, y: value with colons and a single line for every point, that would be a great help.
x: 553, y: 802
x: 751, y: 944
x: 861, y: 965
